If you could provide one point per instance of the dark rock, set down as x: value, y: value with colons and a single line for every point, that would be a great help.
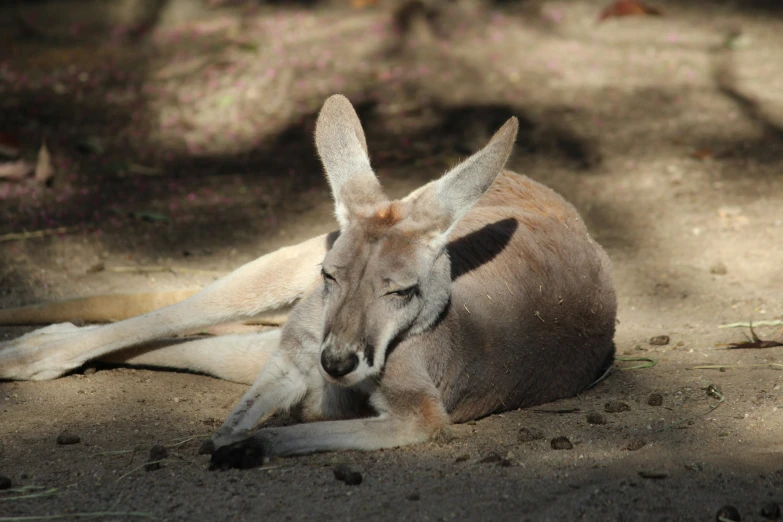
x: 157, y: 453
x: 728, y: 513
x: 66, y: 438
x: 655, y: 399
x: 653, y: 474
x: 462, y: 458
x: 770, y: 510
x: 561, y: 443
x: 345, y: 474
x: 616, y: 407
x: 414, y: 497
x: 5, y: 482
x: 207, y: 447
x: 595, y: 418
x: 97, y: 267
x: 659, y: 340
x: 636, y: 444
x: 529, y: 434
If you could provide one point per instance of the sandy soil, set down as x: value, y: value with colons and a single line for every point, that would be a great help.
x: 190, y: 147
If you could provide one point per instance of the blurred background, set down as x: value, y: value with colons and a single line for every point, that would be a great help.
x: 179, y: 132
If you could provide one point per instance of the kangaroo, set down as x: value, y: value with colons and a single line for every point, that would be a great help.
x: 479, y: 292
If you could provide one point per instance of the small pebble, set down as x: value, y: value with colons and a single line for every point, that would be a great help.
x: 595, y: 418
x: 728, y: 513
x: 491, y: 457
x: 207, y: 447
x: 719, y: 269
x: 65, y: 438
x: 157, y: 453
x: 653, y: 474
x: 561, y: 443
x: 89, y: 371
x: 655, y: 399
x: 97, y: 267
x: 462, y: 458
x: 414, y: 497
x: 659, y: 340
x: 529, y: 434
x: 345, y: 474
x: 616, y: 407
x: 5, y: 482
x: 635, y: 444
x: 770, y: 510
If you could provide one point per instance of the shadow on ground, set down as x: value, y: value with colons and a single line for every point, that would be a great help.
x: 119, y: 414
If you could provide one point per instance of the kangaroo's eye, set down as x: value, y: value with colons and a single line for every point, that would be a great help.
x: 405, y: 292
x: 326, y: 275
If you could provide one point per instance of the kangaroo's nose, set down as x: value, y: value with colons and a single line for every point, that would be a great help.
x: 339, y: 366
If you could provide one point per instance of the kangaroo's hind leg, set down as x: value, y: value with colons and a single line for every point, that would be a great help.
x: 237, y: 358
x: 270, y: 282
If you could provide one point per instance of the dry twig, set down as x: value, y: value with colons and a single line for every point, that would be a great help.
x: 34, y: 234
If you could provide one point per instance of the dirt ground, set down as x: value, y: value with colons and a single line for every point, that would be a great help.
x: 187, y: 143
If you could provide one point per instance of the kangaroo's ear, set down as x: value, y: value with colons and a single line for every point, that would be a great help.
x: 438, y: 206
x: 343, y: 150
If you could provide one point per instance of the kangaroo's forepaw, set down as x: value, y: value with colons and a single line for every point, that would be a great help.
x: 245, y: 454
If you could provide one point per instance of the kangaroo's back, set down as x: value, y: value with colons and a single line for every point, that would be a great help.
x: 532, y: 312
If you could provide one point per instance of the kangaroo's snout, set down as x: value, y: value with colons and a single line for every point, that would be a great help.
x: 339, y: 365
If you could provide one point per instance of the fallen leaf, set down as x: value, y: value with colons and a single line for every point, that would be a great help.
x: 43, y: 168
x: 702, y: 154
x: 15, y: 169
x: 628, y: 8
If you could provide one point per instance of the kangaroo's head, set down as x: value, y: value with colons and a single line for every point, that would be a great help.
x: 388, y: 274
